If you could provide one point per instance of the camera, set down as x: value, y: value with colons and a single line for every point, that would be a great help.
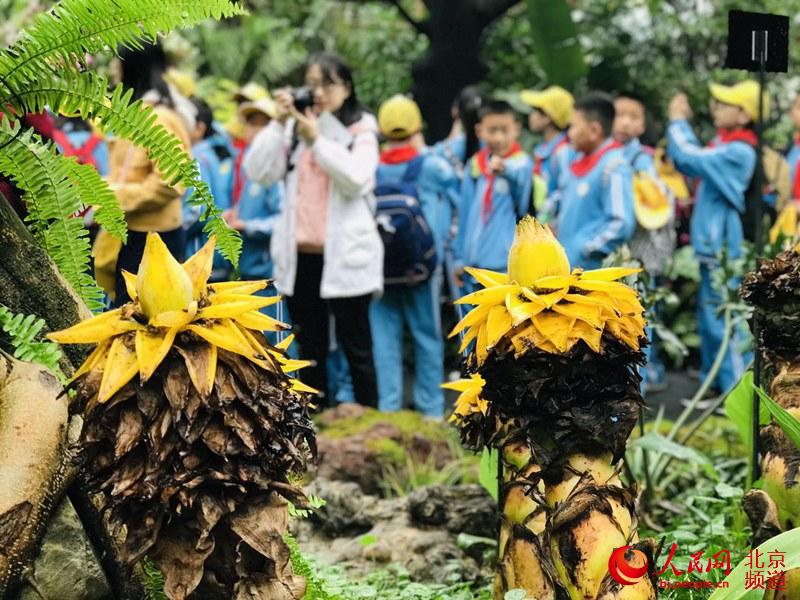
x: 303, y: 98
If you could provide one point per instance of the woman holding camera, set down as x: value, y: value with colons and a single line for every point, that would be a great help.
x: 326, y: 250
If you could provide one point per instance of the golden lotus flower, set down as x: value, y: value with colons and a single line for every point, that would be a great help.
x: 168, y: 298
x: 469, y: 401
x: 541, y: 304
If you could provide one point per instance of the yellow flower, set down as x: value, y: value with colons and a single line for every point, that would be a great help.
x: 541, y: 304
x: 167, y: 299
x: 469, y: 401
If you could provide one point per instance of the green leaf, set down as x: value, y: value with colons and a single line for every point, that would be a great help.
x: 786, y: 421
x: 787, y: 542
x: 656, y: 442
x: 487, y: 472
x: 555, y: 40
x: 23, y: 332
x: 739, y: 409
x: 367, y: 539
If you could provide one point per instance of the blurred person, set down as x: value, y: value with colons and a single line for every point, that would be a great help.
x: 462, y: 141
x: 653, y: 242
x: 725, y: 169
x: 215, y: 177
x: 326, y: 250
x: 495, y: 194
x: 428, y: 180
x: 596, y: 215
x: 552, y: 110
x: 150, y: 203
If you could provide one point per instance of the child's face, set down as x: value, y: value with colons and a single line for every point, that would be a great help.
x: 585, y: 135
x: 728, y: 116
x: 794, y: 113
x: 255, y: 122
x: 538, y: 121
x: 629, y: 122
x: 498, y: 132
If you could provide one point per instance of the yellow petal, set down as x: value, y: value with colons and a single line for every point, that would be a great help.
x: 474, y: 316
x: 199, y: 266
x: 286, y: 342
x: 226, y: 335
x: 463, y: 385
x: 299, y: 386
x: 162, y: 285
x: 554, y: 282
x: 492, y: 295
x: 550, y: 299
x: 130, y: 284
x: 610, y: 274
x: 258, y: 321
x: 96, y: 359
x: 487, y: 278
x: 96, y: 329
x: 522, y: 310
x: 471, y: 334
x: 587, y: 333
x: 585, y: 312
x: 220, y: 310
x: 175, y: 319
x: 291, y: 365
x: 121, y: 366
x: 555, y: 328
x: 481, y: 351
x: 238, y: 287
x: 151, y: 348
x: 610, y: 287
x: 498, y: 323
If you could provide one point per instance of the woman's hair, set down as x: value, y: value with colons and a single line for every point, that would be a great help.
x: 143, y: 70
x: 334, y: 68
x: 204, y: 115
x: 469, y: 103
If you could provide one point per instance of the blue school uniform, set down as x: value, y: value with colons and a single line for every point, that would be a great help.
x: 596, y: 215
x: 417, y: 306
x: 725, y: 169
x: 792, y: 157
x: 259, y: 207
x: 489, y: 209
x: 212, y: 173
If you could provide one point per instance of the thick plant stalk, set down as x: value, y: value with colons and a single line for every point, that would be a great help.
x: 774, y: 290
x: 554, y: 387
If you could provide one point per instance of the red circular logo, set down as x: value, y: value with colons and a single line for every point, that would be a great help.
x: 624, y: 572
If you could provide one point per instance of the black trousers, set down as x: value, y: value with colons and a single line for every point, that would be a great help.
x: 130, y: 255
x: 311, y: 315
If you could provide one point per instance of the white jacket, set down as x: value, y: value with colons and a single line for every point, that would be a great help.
x: 353, y: 253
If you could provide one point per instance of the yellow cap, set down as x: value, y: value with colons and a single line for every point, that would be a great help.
x: 743, y: 94
x: 264, y: 105
x: 182, y: 81
x: 399, y: 117
x: 250, y: 92
x: 555, y: 102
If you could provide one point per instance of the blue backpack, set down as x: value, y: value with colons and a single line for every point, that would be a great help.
x: 409, y: 249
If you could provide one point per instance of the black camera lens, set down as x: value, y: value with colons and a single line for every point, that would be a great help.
x: 303, y: 98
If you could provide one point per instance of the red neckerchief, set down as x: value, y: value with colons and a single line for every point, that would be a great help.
x: 238, y: 180
x: 399, y: 154
x: 726, y: 136
x: 538, y: 160
x: 585, y: 164
x: 482, y: 159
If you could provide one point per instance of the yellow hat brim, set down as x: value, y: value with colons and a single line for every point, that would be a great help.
x: 652, y: 218
x: 532, y: 98
x: 730, y: 95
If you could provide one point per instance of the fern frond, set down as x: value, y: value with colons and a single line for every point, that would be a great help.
x: 85, y: 94
x: 22, y: 331
x: 94, y: 191
x: 153, y: 581
x: 74, y: 28
x: 52, y: 195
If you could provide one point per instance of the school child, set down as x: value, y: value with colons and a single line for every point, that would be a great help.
x: 596, y: 214
x: 653, y: 242
x: 215, y: 177
x: 431, y: 182
x: 725, y: 169
x: 462, y: 142
x: 495, y: 194
x: 549, y: 119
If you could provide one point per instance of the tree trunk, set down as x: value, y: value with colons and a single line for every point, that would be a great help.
x: 453, y: 60
x: 31, y: 284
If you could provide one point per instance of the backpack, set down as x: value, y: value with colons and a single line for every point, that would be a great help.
x: 409, y: 249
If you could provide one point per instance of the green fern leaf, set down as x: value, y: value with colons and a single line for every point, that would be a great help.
x: 52, y: 197
x: 94, y: 191
x: 85, y: 95
x: 74, y: 28
x: 23, y: 331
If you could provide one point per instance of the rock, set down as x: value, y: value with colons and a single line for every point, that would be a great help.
x: 66, y: 568
x: 460, y: 509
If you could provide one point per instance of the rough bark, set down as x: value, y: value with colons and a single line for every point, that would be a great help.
x: 31, y: 284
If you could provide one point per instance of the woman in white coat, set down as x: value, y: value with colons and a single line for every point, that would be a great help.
x: 326, y: 250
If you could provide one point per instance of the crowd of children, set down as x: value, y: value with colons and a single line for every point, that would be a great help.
x: 366, y: 229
